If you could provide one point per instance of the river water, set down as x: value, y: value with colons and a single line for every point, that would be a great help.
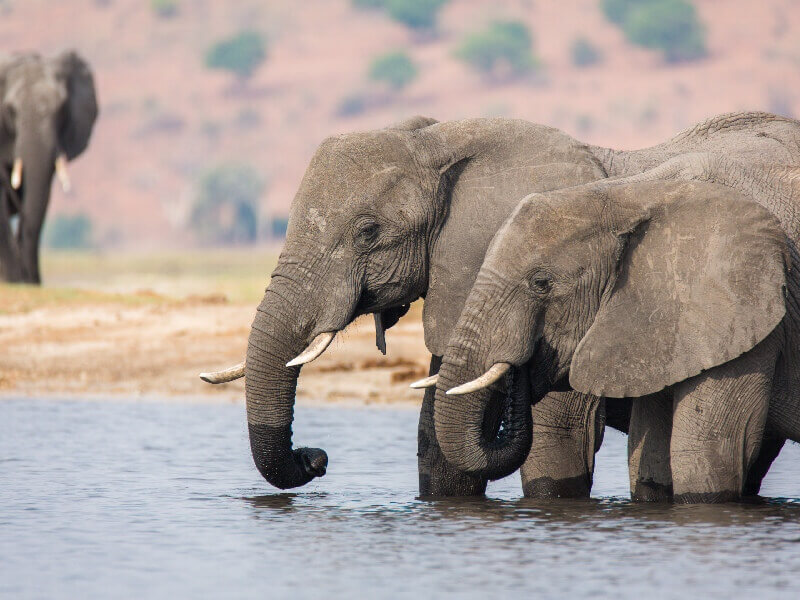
x: 159, y: 500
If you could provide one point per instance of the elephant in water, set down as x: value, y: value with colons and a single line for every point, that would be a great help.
x: 47, y: 110
x: 676, y: 287
x: 385, y: 217
x: 381, y: 219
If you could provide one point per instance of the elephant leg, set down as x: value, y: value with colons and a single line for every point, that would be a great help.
x: 648, y: 448
x: 718, y: 425
x: 10, y: 268
x: 567, y: 431
x: 436, y: 476
x: 770, y: 448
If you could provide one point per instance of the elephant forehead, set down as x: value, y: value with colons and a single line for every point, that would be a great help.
x: 544, y: 229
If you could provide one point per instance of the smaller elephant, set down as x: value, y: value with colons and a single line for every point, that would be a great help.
x: 673, y: 293
x: 48, y: 107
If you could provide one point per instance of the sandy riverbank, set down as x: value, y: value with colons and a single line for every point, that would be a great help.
x: 100, y: 343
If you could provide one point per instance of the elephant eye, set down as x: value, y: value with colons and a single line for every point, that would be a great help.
x: 367, y: 233
x: 541, y: 284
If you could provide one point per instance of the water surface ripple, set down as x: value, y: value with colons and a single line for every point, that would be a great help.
x: 122, y: 500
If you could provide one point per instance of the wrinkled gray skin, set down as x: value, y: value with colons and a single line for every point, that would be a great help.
x: 47, y: 107
x: 674, y: 285
x: 382, y: 218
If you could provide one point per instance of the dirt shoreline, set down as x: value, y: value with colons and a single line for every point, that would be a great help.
x: 144, y: 347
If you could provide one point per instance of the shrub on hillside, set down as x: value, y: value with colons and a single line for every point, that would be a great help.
x: 240, y: 54
x: 396, y: 69
x: 671, y: 26
x: 502, y: 45
x: 584, y: 53
x: 165, y: 8
x: 417, y: 14
x: 68, y: 232
x: 226, y: 205
x: 617, y: 11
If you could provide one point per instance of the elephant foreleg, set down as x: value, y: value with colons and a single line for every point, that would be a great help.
x: 770, y: 448
x: 718, y: 425
x: 567, y: 431
x: 648, y: 448
x: 436, y: 476
x: 10, y: 268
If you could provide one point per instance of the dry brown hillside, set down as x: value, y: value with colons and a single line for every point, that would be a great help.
x: 165, y: 116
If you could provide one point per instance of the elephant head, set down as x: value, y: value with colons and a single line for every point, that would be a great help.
x: 47, y: 110
x: 617, y: 289
x: 380, y: 219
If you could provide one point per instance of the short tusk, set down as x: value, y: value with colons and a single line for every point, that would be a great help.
x: 484, y: 381
x: 16, y: 174
x: 62, y: 174
x: 425, y: 383
x: 224, y: 376
x: 315, y: 348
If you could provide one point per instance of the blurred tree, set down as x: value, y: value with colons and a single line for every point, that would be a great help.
x: 671, y: 26
x: 502, y: 45
x: 68, y: 232
x: 417, y: 14
x: 617, y: 11
x: 226, y: 206
x: 369, y: 3
x: 165, y: 8
x: 241, y: 54
x: 278, y: 226
x: 393, y: 68
x: 584, y: 53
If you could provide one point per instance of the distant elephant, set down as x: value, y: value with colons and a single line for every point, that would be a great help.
x: 47, y: 109
x: 381, y: 219
x: 676, y: 287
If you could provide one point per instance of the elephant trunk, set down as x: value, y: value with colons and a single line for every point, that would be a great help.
x: 36, y: 153
x: 276, y: 338
x: 465, y: 429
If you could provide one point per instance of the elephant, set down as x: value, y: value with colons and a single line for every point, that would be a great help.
x: 48, y: 107
x: 388, y: 216
x: 675, y: 287
x: 382, y: 218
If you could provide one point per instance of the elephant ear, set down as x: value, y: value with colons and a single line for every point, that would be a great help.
x: 81, y: 103
x: 486, y: 167
x: 701, y: 281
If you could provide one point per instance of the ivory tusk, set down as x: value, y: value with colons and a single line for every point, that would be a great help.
x: 225, y: 375
x: 315, y: 348
x: 484, y: 381
x: 16, y: 174
x: 425, y: 383
x: 62, y: 174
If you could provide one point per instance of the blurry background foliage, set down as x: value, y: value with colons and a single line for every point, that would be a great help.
x: 671, y: 26
x: 396, y: 69
x: 501, y: 46
x: 226, y: 205
x: 68, y: 232
x: 240, y: 54
x: 584, y: 53
x: 416, y: 14
x: 165, y: 8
